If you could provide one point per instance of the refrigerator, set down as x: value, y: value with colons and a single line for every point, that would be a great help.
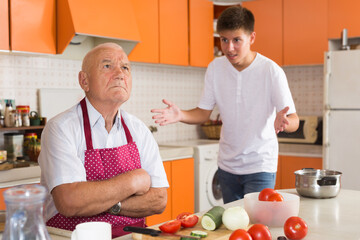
x: 341, y: 126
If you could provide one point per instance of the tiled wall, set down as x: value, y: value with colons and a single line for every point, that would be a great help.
x: 21, y: 77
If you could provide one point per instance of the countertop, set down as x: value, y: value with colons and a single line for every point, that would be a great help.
x: 330, y: 219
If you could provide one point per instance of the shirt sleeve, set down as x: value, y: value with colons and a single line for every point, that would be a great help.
x: 150, y: 157
x: 207, y: 100
x: 281, y: 94
x: 58, y: 159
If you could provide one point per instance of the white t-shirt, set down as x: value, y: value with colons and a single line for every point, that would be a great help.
x: 63, y: 148
x: 248, y: 101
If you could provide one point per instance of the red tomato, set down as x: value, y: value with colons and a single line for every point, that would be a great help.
x: 295, y: 228
x: 170, y: 227
x: 187, y: 219
x: 240, y: 234
x: 265, y: 193
x: 276, y: 197
x: 259, y: 232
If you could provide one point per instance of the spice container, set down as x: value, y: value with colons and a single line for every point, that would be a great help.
x: 24, y: 110
x: 28, y: 138
x: 9, y: 119
x: 3, y: 156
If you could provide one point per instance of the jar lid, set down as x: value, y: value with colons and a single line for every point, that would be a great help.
x: 30, y: 134
x: 22, y: 106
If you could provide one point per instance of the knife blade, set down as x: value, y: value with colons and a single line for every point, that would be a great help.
x: 154, y: 232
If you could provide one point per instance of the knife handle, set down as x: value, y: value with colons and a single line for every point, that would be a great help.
x: 147, y: 231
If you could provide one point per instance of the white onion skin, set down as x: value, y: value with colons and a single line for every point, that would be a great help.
x: 235, y: 218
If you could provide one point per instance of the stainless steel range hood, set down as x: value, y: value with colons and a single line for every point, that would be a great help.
x: 83, y: 24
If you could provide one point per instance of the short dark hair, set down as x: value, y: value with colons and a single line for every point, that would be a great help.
x: 234, y: 18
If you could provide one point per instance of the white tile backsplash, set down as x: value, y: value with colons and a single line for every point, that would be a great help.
x: 22, y: 76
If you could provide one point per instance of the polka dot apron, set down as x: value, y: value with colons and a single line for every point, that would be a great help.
x: 102, y: 164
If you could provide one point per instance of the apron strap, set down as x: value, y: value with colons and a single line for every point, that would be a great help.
x: 127, y: 132
x: 87, y: 128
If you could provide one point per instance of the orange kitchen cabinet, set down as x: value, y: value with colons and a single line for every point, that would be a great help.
x: 166, y: 215
x: 182, y: 180
x: 147, y: 18
x: 268, y: 27
x: 33, y: 26
x: 173, y: 32
x: 343, y: 14
x: 201, y: 40
x: 289, y: 164
x: 4, y: 25
x: 305, y: 31
x: 180, y: 175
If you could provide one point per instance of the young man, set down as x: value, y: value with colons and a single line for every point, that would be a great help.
x: 254, y: 101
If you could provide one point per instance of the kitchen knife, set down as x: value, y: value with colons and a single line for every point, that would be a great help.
x: 155, y: 233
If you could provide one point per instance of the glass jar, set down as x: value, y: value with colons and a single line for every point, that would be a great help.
x: 24, y: 213
x: 24, y: 109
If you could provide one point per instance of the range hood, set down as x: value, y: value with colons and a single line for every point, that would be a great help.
x: 83, y: 24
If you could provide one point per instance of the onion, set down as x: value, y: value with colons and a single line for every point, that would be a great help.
x: 235, y: 218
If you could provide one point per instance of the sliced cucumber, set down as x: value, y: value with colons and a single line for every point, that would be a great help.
x: 213, y: 218
x: 197, y: 233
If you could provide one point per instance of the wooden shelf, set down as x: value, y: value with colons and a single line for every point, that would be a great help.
x: 22, y: 128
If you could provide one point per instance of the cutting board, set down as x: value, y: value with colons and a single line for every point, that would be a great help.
x: 221, y: 233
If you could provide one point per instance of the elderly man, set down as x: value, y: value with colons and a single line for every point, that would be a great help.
x: 98, y: 162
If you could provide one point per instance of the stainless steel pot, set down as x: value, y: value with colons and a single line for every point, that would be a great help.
x: 316, y: 183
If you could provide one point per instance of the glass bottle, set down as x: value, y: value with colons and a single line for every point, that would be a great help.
x: 24, y: 213
x: 8, y: 115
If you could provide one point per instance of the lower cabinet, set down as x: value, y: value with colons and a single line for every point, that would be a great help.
x: 180, y: 175
x: 287, y: 165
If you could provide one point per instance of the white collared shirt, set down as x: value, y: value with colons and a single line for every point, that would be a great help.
x: 247, y: 101
x: 63, y: 148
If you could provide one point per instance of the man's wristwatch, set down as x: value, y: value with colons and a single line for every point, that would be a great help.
x: 115, y: 210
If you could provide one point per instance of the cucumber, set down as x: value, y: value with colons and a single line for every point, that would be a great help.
x: 197, y: 233
x: 213, y: 218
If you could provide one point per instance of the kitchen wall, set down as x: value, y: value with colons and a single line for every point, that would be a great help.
x: 22, y: 75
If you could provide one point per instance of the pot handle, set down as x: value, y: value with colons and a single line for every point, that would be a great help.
x: 327, y: 181
x: 308, y: 168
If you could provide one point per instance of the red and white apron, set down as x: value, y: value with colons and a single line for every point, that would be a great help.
x: 102, y: 164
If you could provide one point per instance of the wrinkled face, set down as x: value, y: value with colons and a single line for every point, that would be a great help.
x: 107, y: 76
x: 235, y: 44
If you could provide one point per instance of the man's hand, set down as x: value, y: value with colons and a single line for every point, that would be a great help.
x: 171, y: 114
x: 281, y: 120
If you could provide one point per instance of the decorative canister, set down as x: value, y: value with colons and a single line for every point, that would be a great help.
x: 13, y: 143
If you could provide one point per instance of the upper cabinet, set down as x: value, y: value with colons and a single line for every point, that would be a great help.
x: 4, y: 25
x: 33, y: 26
x: 147, y: 18
x: 305, y: 31
x: 343, y: 14
x: 201, y: 41
x: 268, y: 40
x: 173, y: 30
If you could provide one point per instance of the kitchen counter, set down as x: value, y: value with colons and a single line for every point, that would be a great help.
x: 330, y: 219
x: 300, y: 150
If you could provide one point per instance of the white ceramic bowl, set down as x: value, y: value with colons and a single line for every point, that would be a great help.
x: 271, y: 214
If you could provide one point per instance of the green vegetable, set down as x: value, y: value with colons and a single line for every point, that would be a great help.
x: 186, y: 238
x: 213, y: 218
x: 197, y: 233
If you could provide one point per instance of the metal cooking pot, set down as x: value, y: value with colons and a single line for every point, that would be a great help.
x: 316, y: 183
